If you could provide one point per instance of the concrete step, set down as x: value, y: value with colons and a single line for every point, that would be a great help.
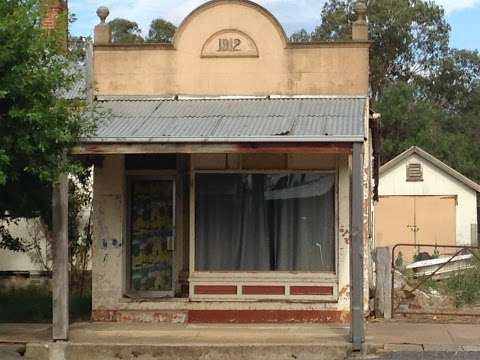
x: 9, y: 355
x: 95, y: 351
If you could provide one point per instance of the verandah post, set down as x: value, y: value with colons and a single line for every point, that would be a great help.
x: 60, y: 259
x: 356, y: 269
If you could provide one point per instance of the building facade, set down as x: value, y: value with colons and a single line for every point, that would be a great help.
x: 232, y: 173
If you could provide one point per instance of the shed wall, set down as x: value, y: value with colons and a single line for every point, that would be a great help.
x: 436, y: 182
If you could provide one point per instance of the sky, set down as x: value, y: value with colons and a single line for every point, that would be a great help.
x: 463, y: 15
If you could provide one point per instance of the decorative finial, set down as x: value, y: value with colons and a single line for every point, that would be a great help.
x: 360, y: 9
x: 103, y: 13
x: 103, y: 35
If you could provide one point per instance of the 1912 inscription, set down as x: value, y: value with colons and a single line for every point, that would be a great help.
x: 229, y: 45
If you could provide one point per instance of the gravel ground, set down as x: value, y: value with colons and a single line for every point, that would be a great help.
x: 424, y: 356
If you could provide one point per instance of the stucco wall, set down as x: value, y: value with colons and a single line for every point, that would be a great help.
x: 108, y: 225
x: 436, y: 182
x: 279, y: 69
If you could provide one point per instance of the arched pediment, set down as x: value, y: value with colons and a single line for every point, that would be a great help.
x: 232, y: 14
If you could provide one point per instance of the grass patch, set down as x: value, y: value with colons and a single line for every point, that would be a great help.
x: 33, y: 304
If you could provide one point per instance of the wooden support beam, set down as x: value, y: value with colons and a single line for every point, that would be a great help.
x: 60, y: 259
x: 214, y: 148
x: 357, y: 247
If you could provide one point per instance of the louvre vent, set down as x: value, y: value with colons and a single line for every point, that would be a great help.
x: 414, y: 172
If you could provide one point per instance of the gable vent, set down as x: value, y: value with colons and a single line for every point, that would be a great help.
x: 414, y: 172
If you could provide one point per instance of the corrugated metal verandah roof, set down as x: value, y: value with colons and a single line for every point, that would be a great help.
x: 225, y: 120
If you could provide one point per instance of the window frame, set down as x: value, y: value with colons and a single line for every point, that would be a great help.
x: 329, y: 276
x: 131, y: 177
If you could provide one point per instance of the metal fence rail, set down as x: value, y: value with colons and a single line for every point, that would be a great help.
x: 459, y: 250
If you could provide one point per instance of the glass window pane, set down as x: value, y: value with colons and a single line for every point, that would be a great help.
x: 265, y: 222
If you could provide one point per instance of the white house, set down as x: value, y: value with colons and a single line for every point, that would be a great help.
x: 15, y: 266
x: 424, y: 201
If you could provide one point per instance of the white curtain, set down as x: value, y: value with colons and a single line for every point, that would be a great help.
x: 265, y: 222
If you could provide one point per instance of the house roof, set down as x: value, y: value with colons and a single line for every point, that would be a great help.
x: 221, y: 120
x: 415, y: 150
x: 78, y: 90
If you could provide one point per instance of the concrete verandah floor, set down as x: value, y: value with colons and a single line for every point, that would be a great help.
x: 107, y: 341
x: 149, y: 341
x: 141, y: 333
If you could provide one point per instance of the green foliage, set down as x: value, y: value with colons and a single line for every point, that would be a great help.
x: 407, y: 119
x: 30, y: 304
x: 37, y: 125
x: 161, y: 31
x: 125, y: 31
x: 33, y: 304
x: 454, y: 78
x: 399, y: 262
x: 464, y: 285
x: 7, y: 240
x: 77, y: 47
x: 128, y: 32
x: 301, y: 36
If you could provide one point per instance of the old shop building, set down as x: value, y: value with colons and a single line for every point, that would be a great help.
x: 232, y: 177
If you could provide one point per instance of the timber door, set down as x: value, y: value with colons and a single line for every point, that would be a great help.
x: 152, y: 236
x: 415, y: 220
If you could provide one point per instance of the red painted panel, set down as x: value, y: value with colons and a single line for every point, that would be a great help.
x: 263, y: 290
x: 104, y: 315
x: 215, y: 290
x: 311, y: 290
x: 266, y: 316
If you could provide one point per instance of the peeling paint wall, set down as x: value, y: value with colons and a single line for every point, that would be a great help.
x: 109, y: 255
x: 344, y: 234
x: 108, y: 244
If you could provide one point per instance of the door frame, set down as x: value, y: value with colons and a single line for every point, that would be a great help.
x: 129, y: 292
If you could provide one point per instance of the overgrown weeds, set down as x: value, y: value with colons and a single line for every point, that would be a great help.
x: 464, y: 285
x: 33, y: 304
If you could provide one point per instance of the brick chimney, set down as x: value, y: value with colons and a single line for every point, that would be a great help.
x: 52, y: 10
x: 55, y: 20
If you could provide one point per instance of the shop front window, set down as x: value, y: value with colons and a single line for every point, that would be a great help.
x: 265, y: 222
